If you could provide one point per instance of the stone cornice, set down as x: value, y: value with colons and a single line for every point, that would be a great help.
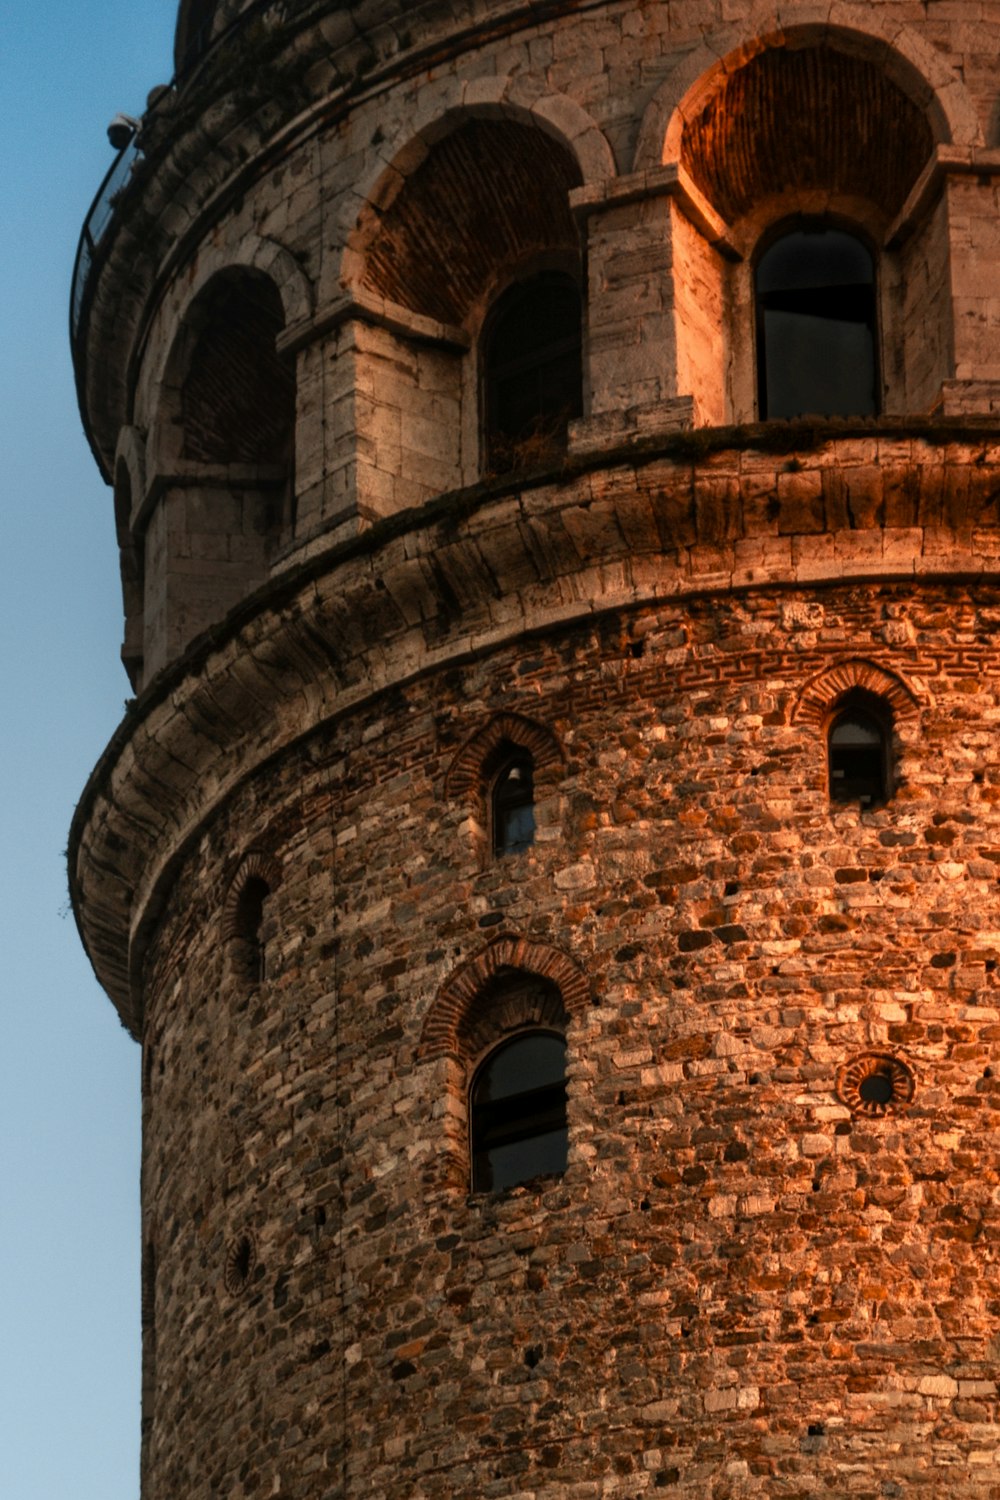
x: 440, y: 585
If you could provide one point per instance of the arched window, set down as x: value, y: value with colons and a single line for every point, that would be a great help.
x: 512, y: 805
x: 249, y: 928
x: 517, y: 1112
x: 532, y: 372
x: 858, y: 750
x: 816, y: 325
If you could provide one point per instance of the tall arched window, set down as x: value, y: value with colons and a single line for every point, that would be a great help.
x: 532, y: 372
x: 517, y: 1112
x: 816, y: 324
x: 858, y: 741
x: 512, y: 804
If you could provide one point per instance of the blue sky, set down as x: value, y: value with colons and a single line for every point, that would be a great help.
x: 69, y: 1075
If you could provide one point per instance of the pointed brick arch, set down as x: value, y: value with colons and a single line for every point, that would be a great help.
x: 255, y: 865
x: 822, y: 693
x: 450, y: 1024
x: 466, y: 772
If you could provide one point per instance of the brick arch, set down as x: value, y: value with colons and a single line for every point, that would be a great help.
x: 262, y: 257
x: 465, y: 774
x: 450, y: 1024
x: 823, y: 692
x: 450, y: 101
x: 226, y: 394
x: 914, y: 65
x: 550, y: 137
x: 255, y: 253
x: 255, y: 864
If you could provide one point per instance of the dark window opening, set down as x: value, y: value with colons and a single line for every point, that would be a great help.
x: 249, y: 927
x: 858, y: 757
x: 518, y: 1112
x: 876, y: 1089
x: 816, y: 325
x: 532, y: 372
x: 513, y: 806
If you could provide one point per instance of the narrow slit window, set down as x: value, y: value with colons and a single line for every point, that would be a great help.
x: 250, y: 927
x: 518, y: 1112
x: 513, y: 806
x: 816, y: 325
x: 858, y: 758
x: 532, y: 372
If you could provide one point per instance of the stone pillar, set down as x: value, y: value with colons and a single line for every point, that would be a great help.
x: 380, y: 414
x: 207, y: 535
x: 653, y: 338
x: 950, y: 259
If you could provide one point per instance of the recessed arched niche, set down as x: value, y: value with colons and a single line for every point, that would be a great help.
x: 223, y: 445
x: 468, y: 213
x: 833, y: 134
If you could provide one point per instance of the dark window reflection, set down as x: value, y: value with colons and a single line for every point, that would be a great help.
x: 532, y: 372
x: 514, y: 806
x: 858, y: 759
x: 249, y: 925
x: 816, y: 346
x: 518, y: 1112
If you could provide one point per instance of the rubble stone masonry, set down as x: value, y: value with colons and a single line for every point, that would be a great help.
x: 752, y: 1280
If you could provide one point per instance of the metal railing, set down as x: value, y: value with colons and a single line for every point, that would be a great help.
x: 95, y: 226
x: 102, y: 209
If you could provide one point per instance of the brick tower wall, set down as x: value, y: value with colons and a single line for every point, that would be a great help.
x: 340, y: 608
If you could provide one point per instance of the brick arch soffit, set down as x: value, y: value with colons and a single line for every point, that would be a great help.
x: 255, y: 864
x: 821, y: 694
x: 507, y: 954
x: 452, y: 104
x: 464, y: 775
x: 253, y: 253
x: 919, y: 70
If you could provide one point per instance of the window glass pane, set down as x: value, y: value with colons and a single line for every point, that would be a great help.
x: 819, y: 365
x: 858, y: 754
x: 855, y: 731
x: 519, y: 1162
x: 513, y: 807
x: 532, y: 370
x: 814, y: 258
x: 816, y: 326
x: 518, y: 1112
x: 529, y: 1062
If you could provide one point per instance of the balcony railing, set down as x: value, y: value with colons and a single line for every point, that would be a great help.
x: 95, y: 227
x: 102, y: 210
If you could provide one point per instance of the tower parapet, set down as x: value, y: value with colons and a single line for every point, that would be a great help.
x: 550, y: 861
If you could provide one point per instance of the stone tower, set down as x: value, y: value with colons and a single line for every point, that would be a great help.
x: 551, y: 860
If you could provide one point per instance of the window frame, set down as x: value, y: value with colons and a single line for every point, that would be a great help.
x: 493, y: 441
x: 518, y: 758
x: 250, y: 918
x: 819, y: 223
x: 502, y: 1044
x: 861, y: 705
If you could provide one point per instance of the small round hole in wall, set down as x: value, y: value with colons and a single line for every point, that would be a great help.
x: 241, y: 1257
x: 875, y: 1084
x: 876, y: 1088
